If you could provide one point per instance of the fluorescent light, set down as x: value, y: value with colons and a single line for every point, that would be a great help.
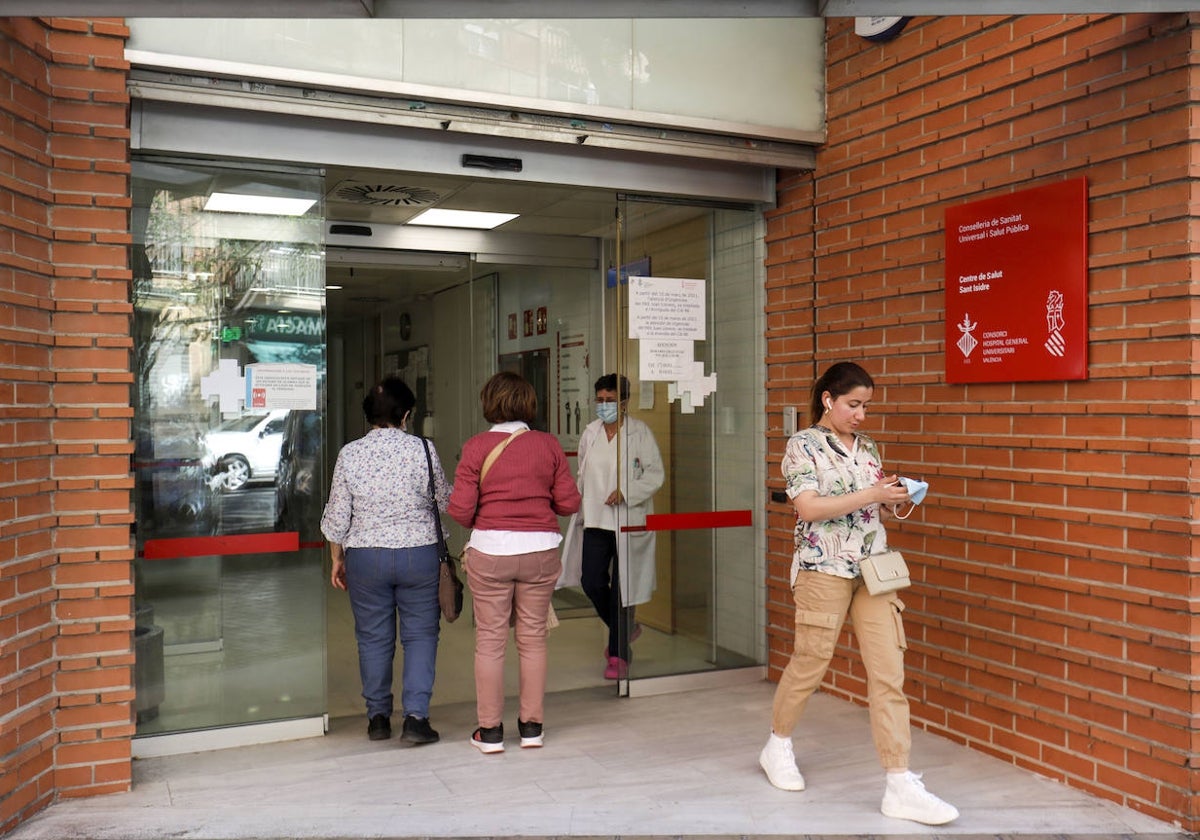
x: 266, y: 205
x: 478, y: 219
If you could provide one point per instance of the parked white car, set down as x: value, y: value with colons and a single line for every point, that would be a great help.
x: 244, y: 449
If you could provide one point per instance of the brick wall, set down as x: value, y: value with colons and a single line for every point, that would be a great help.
x: 1054, y: 619
x: 66, y: 653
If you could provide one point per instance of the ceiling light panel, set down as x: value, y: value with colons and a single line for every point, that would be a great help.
x: 475, y: 219
x: 263, y: 205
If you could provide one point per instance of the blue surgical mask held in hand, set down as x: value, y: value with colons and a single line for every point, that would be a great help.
x: 607, y: 412
x: 916, y: 489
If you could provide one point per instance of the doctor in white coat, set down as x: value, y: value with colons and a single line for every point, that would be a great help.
x: 614, y: 568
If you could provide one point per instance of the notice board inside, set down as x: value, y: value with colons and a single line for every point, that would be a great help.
x: 1016, y: 286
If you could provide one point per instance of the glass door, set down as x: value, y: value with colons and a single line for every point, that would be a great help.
x: 684, y: 325
x: 229, y: 395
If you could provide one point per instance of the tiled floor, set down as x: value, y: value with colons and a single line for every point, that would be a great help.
x: 673, y: 764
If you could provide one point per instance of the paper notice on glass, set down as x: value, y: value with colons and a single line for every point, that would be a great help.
x: 695, y: 389
x: 646, y: 396
x: 271, y: 386
x: 666, y: 308
x: 664, y: 360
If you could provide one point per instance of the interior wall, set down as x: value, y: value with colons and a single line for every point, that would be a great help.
x: 361, y: 368
x: 462, y: 352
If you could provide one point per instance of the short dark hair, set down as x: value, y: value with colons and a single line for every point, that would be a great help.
x: 608, y: 382
x: 508, y: 396
x: 388, y: 402
x: 840, y: 378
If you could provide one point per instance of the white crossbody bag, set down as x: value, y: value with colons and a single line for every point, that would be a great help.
x: 886, y: 572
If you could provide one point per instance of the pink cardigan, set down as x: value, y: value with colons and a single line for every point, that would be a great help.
x: 527, y: 488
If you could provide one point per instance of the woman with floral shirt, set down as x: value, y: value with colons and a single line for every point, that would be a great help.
x: 837, y: 485
x: 379, y: 522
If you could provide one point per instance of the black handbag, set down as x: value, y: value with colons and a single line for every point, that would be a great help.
x: 450, y: 587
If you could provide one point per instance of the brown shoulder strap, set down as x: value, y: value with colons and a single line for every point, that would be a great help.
x: 495, y: 453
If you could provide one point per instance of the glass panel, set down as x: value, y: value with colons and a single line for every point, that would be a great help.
x: 685, y: 327
x: 603, y: 68
x: 557, y: 323
x: 229, y: 347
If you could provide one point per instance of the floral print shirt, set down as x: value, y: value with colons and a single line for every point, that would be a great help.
x: 816, y: 460
x: 379, y: 497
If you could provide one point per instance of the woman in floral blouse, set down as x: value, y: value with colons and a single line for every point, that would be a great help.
x: 381, y: 532
x: 837, y: 485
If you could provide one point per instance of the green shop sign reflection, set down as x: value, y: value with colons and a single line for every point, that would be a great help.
x: 285, y: 327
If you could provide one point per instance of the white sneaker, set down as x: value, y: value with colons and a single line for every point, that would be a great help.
x: 905, y: 798
x: 778, y: 760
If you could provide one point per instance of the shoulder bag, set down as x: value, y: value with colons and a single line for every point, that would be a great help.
x: 886, y: 572
x: 551, y: 616
x: 450, y: 587
x: 495, y: 453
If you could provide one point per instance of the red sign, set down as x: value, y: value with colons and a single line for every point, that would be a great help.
x: 1016, y: 286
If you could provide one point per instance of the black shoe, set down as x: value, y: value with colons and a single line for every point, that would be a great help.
x: 488, y: 739
x: 531, y: 733
x: 418, y: 731
x: 380, y: 728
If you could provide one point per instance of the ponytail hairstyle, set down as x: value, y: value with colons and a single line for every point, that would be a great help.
x: 840, y: 378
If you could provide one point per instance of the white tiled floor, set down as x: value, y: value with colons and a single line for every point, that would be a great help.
x: 673, y: 764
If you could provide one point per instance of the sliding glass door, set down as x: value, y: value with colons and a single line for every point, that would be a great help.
x: 683, y: 324
x: 229, y: 340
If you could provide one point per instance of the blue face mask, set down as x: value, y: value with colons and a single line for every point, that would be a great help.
x: 607, y: 412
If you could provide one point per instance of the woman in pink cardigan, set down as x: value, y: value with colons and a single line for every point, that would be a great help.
x: 511, y: 485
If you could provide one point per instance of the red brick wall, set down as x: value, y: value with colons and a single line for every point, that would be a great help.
x: 66, y: 652
x: 1054, y: 621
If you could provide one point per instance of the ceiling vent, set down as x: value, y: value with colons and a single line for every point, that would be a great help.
x: 384, y: 195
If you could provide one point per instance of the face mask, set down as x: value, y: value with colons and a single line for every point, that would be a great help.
x: 916, y: 489
x: 607, y: 412
x: 916, y: 494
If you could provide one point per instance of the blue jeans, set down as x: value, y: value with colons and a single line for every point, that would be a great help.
x: 385, y: 583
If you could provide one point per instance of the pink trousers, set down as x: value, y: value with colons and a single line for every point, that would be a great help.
x: 504, y: 587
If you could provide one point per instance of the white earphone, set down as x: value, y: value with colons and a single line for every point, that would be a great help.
x: 828, y: 405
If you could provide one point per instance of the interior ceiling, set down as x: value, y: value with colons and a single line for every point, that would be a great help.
x: 387, y: 197
x: 396, y: 197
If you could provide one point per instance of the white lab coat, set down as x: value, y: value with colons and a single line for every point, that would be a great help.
x: 642, y: 474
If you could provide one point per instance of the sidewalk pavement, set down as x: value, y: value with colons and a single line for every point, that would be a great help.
x: 678, y: 765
